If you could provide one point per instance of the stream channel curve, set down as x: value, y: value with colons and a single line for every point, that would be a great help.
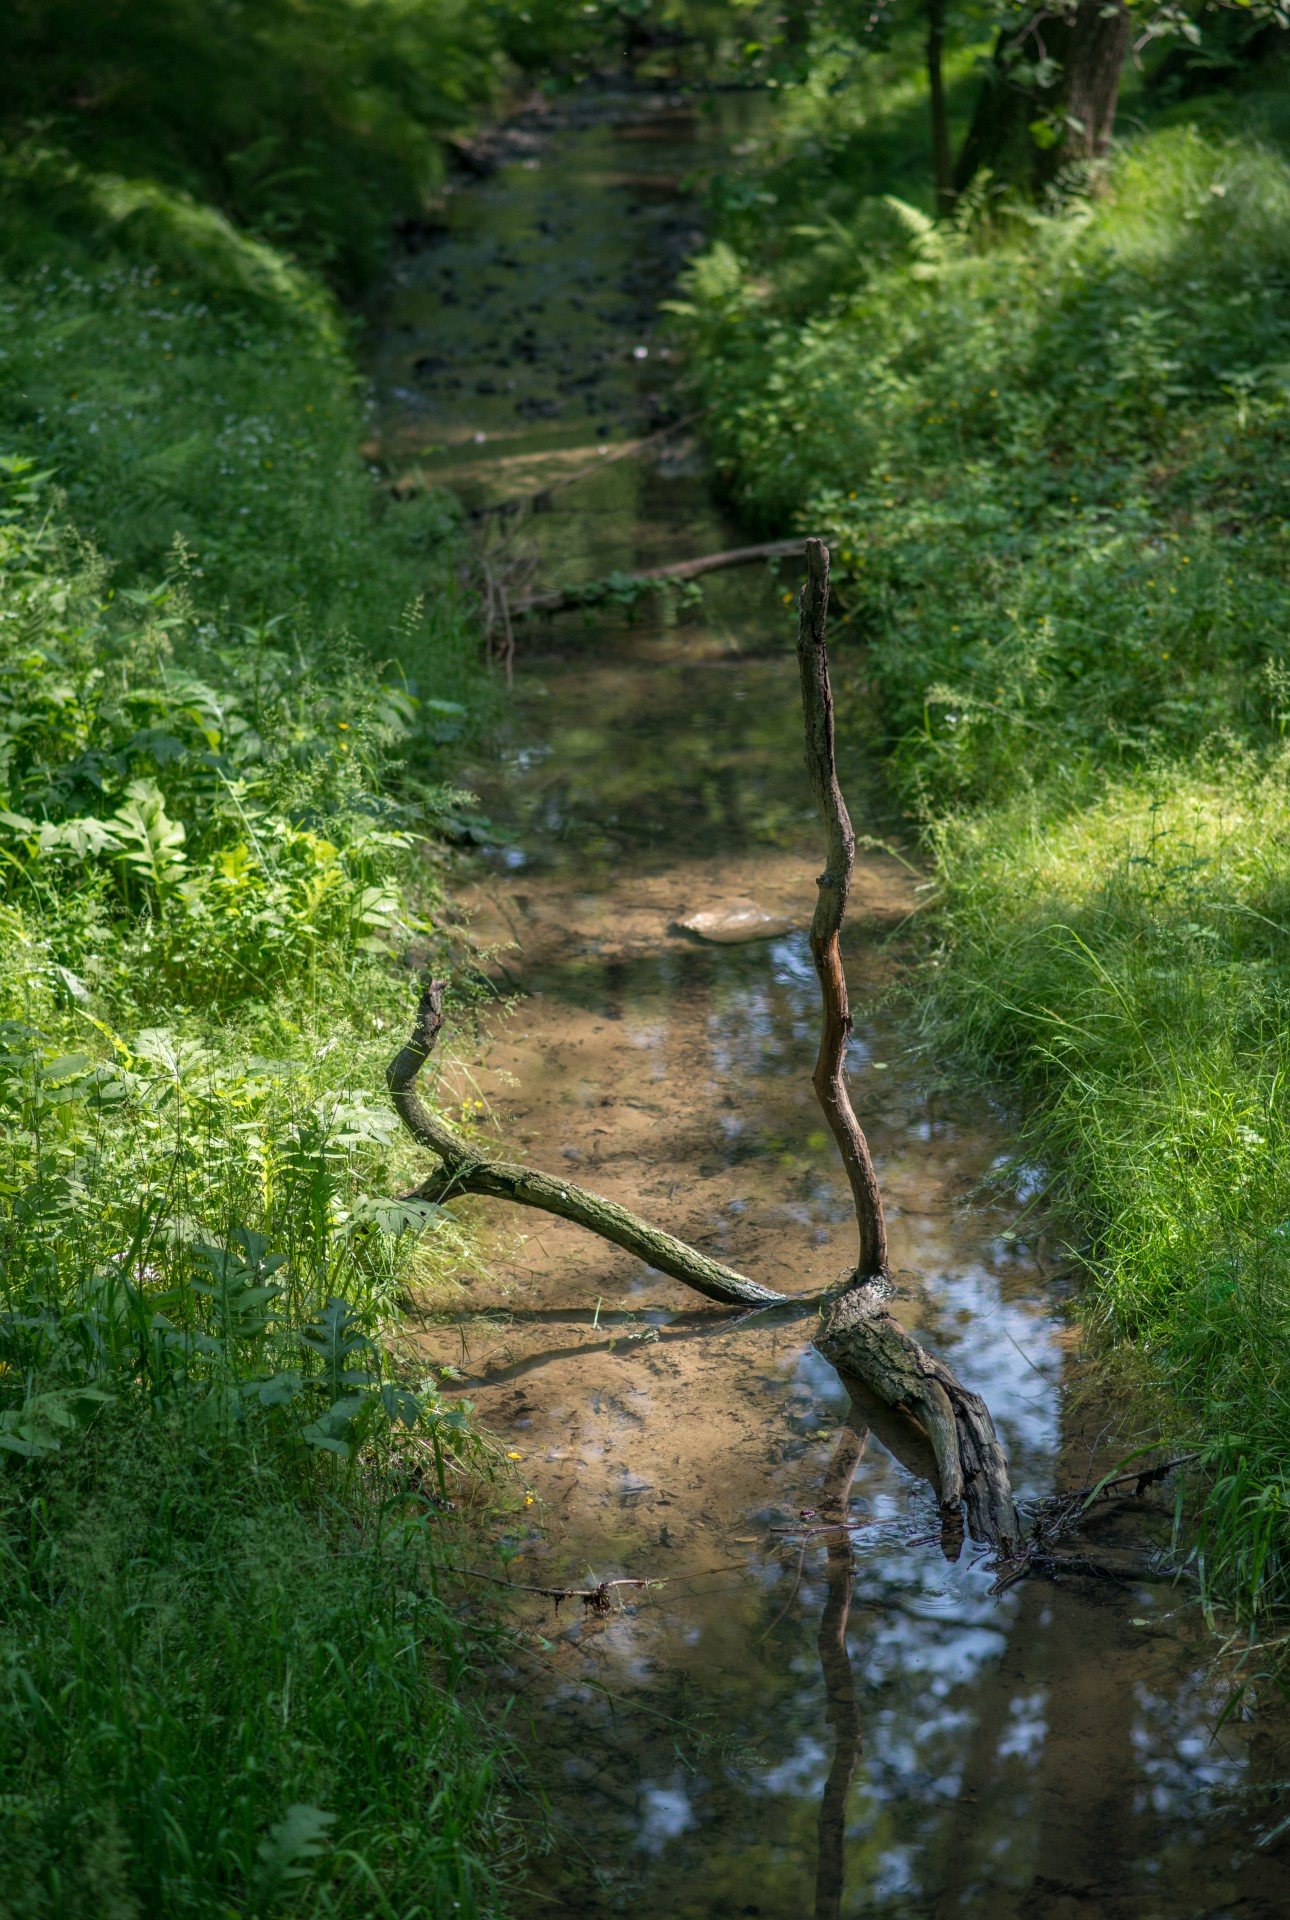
x: 794, y: 1723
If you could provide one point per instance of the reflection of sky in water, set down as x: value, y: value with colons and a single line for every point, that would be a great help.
x: 1014, y: 1357
x: 927, y: 1643
x: 1026, y: 1728
x: 666, y: 1813
x: 1180, y: 1763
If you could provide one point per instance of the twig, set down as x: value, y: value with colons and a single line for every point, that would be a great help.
x: 560, y: 598
x: 831, y: 1526
x: 1146, y: 1478
x: 508, y: 655
x: 629, y: 447
x: 1052, y: 1566
x: 597, y: 1598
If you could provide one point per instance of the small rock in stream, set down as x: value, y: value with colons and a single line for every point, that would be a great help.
x: 734, y: 921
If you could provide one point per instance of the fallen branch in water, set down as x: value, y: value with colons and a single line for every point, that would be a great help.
x: 466, y: 1170
x: 592, y: 591
x: 1054, y: 1566
x: 597, y: 1598
x: 861, y: 1336
x: 1141, y: 1479
x: 539, y: 497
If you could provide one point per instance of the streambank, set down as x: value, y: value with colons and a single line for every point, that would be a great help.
x: 227, y: 1686
x: 782, y: 1722
x: 1068, y: 572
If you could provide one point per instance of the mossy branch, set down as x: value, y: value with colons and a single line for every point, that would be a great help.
x: 466, y: 1170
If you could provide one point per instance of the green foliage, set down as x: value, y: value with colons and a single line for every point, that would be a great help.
x: 188, y: 816
x: 308, y: 125
x: 227, y: 663
x: 212, y: 1704
x: 1048, y: 451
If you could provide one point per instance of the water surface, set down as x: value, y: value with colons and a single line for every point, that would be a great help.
x: 793, y: 1723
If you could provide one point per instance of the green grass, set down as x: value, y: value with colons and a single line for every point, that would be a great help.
x: 215, y: 1700
x: 1048, y: 450
x: 230, y: 667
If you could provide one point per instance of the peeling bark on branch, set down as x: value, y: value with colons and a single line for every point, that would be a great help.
x: 865, y: 1341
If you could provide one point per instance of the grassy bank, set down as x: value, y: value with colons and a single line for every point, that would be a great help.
x: 1048, y: 447
x: 228, y: 668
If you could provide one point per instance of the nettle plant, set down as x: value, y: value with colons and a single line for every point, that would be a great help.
x: 127, y: 1269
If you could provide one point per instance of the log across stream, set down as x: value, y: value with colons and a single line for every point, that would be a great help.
x: 799, y: 1720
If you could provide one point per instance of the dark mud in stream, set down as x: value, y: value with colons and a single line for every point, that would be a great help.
x: 783, y: 1728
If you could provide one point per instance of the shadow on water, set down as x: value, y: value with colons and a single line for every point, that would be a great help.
x: 848, y: 1718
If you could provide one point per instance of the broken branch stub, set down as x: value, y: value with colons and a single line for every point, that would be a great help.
x: 466, y: 1170
x: 865, y: 1341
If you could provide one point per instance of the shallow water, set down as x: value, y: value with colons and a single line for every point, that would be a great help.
x: 791, y: 1724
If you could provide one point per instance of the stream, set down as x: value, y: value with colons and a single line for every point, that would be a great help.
x: 794, y: 1723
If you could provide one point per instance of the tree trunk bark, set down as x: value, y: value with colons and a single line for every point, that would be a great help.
x: 942, y: 165
x: 1091, y: 45
x: 996, y: 138
x: 1088, y: 43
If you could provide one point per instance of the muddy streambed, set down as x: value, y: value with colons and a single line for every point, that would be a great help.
x: 786, y: 1727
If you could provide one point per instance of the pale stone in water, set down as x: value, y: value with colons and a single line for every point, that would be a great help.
x: 736, y: 920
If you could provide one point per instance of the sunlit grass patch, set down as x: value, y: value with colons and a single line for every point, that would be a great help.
x: 1048, y: 448
x: 1126, y: 964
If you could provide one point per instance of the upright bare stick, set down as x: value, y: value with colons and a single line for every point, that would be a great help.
x: 830, y: 907
x: 861, y: 1335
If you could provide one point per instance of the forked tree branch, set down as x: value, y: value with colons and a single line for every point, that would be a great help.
x: 860, y: 1335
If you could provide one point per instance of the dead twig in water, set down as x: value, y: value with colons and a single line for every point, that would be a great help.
x: 1144, y: 1478
x: 559, y: 599
x: 540, y: 495
x: 1054, y: 1566
x: 596, y: 1598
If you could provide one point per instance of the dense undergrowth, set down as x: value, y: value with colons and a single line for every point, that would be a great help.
x: 1049, y: 448
x: 228, y: 664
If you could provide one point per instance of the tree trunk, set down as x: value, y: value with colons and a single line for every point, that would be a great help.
x: 942, y: 165
x: 1087, y: 43
x: 1091, y: 45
